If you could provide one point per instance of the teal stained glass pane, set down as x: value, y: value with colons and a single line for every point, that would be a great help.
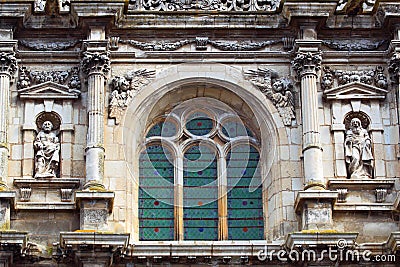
x: 245, y: 207
x: 156, y: 194
x: 200, y: 194
x: 165, y: 129
x: 199, y: 123
x: 233, y: 128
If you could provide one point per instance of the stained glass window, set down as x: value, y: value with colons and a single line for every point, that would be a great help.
x: 245, y: 208
x: 200, y: 194
x: 165, y: 129
x: 199, y: 123
x: 235, y: 128
x: 156, y: 194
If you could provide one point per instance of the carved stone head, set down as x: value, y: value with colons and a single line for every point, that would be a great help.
x: 47, y: 126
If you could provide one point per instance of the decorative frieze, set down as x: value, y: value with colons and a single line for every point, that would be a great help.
x: 355, y: 7
x: 241, y: 46
x: 354, y: 45
x: 213, y: 5
x: 40, y: 45
x: 307, y: 62
x: 8, y: 62
x: 124, y: 88
x: 96, y: 62
x: 70, y: 78
x: 157, y: 46
x: 278, y: 90
x: 332, y: 78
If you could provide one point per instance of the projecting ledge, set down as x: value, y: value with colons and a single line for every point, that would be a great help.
x: 322, y: 238
x: 316, y: 195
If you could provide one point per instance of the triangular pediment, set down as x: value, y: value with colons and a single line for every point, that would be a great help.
x: 355, y: 90
x: 48, y: 90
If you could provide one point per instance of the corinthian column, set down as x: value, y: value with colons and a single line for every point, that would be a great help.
x: 307, y: 64
x: 8, y: 66
x: 96, y: 65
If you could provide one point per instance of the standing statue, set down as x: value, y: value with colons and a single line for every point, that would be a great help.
x: 47, y: 148
x: 358, y: 151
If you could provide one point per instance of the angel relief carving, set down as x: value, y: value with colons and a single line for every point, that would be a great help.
x: 124, y: 88
x: 278, y: 90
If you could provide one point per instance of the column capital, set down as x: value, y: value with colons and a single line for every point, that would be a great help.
x: 8, y: 63
x: 96, y: 62
x: 394, y: 65
x: 307, y: 62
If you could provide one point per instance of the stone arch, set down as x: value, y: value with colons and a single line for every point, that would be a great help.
x: 230, y: 80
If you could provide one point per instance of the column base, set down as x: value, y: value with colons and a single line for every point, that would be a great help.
x: 315, y: 207
x: 94, y: 186
x: 95, y: 208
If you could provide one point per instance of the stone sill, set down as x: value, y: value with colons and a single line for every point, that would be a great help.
x: 317, y: 239
x: 68, y: 239
x: 45, y: 206
x: 370, y: 184
x: 200, y: 248
x: 363, y: 207
x: 48, y: 183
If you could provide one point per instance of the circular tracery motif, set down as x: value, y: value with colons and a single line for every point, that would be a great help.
x: 199, y: 123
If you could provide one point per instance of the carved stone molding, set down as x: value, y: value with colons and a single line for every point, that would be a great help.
x: 332, y: 78
x: 278, y: 90
x: 202, y: 42
x: 342, y: 195
x: 8, y: 62
x: 64, y: 82
x: 96, y: 62
x: 354, y: 45
x: 351, y: 7
x: 381, y: 194
x: 242, y: 46
x: 125, y: 88
x: 40, y: 45
x: 206, y: 5
x: 307, y: 62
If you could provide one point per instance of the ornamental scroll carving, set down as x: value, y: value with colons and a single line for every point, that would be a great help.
x: 307, y: 62
x: 69, y: 78
x: 278, y: 90
x: 124, y: 88
x: 207, y: 5
x: 333, y: 78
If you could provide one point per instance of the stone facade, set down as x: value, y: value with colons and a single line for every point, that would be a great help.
x: 315, y: 83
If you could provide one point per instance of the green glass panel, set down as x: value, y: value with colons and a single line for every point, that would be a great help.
x: 245, y: 207
x: 156, y: 194
x: 199, y: 123
x: 165, y: 129
x: 200, y: 193
x: 233, y: 128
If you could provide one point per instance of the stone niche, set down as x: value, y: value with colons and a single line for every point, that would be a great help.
x: 48, y: 98
x: 358, y: 95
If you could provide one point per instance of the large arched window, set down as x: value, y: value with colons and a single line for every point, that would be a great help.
x: 199, y: 176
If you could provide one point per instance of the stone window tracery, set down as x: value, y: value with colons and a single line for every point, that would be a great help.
x: 199, y: 177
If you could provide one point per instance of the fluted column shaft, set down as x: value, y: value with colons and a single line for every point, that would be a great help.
x: 4, y: 106
x: 96, y: 65
x: 307, y: 64
x: 8, y: 66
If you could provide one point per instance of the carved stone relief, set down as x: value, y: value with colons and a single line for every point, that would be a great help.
x: 202, y: 42
x: 307, y: 62
x: 278, y: 90
x: 8, y: 62
x: 358, y: 151
x: 40, y: 45
x: 124, y: 88
x: 68, y: 78
x: 332, y: 78
x: 96, y: 62
x: 220, y: 5
x: 354, y: 45
x: 353, y: 7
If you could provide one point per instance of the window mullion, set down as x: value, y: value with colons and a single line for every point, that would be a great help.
x: 222, y: 200
x: 178, y: 199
